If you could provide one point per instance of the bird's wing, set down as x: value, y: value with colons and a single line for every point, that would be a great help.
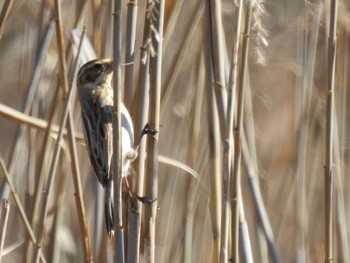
x: 97, y: 122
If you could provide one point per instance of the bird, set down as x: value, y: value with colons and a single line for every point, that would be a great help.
x: 95, y: 94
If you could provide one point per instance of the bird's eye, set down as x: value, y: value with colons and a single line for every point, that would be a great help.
x: 98, y: 66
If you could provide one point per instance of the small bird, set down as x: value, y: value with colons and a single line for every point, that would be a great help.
x: 96, y: 100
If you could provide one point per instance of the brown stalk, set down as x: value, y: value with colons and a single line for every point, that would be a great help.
x: 135, y: 209
x: 214, y: 139
x: 141, y: 105
x: 151, y: 183
x: 238, y: 137
x: 76, y: 177
x: 342, y: 221
x: 33, y: 122
x: 329, y: 175
x: 72, y: 145
x: 119, y: 253
x: 340, y: 204
x: 228, y: 141
x: 219, y: 52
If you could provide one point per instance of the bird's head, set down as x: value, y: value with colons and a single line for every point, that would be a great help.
x: 95, y: 73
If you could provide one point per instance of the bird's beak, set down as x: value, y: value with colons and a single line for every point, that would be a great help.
x: 108, y: 64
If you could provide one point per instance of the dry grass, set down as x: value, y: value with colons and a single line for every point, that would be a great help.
x: 287, y: 209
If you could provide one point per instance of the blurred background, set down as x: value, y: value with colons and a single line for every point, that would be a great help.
x: 282, y: 165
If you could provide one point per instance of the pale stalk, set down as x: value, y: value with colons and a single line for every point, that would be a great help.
x: 119, y: 253
x: 151, y: 184
x: 329, y: 175
x: 214, y: 141
x: 228, y: 141
x: 238, y: 138
x: 84, y: 233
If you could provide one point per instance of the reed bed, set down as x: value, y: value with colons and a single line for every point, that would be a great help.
x: 246, y: 108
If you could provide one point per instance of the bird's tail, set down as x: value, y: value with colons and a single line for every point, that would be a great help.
x: 109, y: 216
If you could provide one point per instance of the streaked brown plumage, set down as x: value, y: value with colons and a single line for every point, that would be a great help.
x: 96, y: 100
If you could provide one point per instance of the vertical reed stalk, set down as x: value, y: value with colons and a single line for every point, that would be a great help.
x: 329, y: 169
x: 71, y: 133
x: 219, y: 52
x: 244, y: 232
x: 228, y: 140
x: 76, y: 177
x: 238, y: 137
x: 141, y: 106
x: 51, y: 176
x: 85, y: 238
x: 214, y: 140
x: 119, y: 254
x: 155, y: 69
x: 343, y: 247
